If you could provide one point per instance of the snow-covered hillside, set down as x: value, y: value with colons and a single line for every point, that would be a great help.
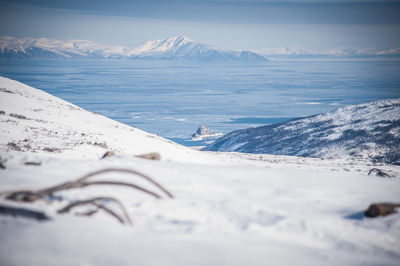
x: 228, y: 208
x: 175, y: 48
x: 370, y: 131
x: 34, y: 122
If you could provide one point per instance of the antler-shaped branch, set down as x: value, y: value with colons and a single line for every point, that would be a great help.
x: 30, y: 196
x: 33, y: 195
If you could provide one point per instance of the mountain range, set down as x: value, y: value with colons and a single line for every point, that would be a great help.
x: 369, y: 131
x: 174, y: 48
x: 294, y: 52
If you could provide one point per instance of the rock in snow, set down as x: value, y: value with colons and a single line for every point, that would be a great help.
x: 174, y: 48
x: 369, y: 130
x: 204, y: 132
x: 229, y: 208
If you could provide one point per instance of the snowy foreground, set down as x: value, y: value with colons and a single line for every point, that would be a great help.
x: 228, y: 209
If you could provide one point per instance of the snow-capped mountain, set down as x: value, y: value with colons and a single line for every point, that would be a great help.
x: 295, y: 51
x: 52, y: 48
x: 184, y: 48
x: 370, y: 130
x: 175, y: 48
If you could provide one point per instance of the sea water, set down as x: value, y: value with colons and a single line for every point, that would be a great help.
x: 173, y: 98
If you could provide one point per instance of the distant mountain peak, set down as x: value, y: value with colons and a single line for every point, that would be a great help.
x: 160, y: 45
x: 182, y: 38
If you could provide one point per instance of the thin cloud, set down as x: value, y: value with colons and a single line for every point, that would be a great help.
x: 305, y: 12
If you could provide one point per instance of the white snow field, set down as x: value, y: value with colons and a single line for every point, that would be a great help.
x: 228, y: 208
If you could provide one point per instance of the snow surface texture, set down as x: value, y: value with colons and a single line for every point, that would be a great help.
x: 229, y: 208
x: 174, y: 48
x: 370, y: 131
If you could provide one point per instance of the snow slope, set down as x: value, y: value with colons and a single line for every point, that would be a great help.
x: 229, y: 208
x: 370, y: 131
x: 174, y: 48
x: 35, y: 122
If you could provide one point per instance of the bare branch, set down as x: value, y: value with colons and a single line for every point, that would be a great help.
x: 117, y: 183
x: 116, y: 216
x: 95, y: 202
x: 24, y: 196
x: 73, y: 185
x: 379, y: 172
x: 88, y: 213
x: 129, y: 171
x: 31, y: 196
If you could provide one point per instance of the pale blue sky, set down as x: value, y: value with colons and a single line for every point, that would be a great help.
x: 238, y: 24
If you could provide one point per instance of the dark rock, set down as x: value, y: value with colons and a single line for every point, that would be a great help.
x: 202, y: 131
x: 108, y: 154
x: 381, y: 209
x: 22, y: 212
x: 150, y: 156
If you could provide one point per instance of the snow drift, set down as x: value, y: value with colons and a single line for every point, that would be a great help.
x: 229, y: 208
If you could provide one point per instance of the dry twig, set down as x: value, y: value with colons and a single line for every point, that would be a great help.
x: 97, y: 202
x: 379, y: 172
